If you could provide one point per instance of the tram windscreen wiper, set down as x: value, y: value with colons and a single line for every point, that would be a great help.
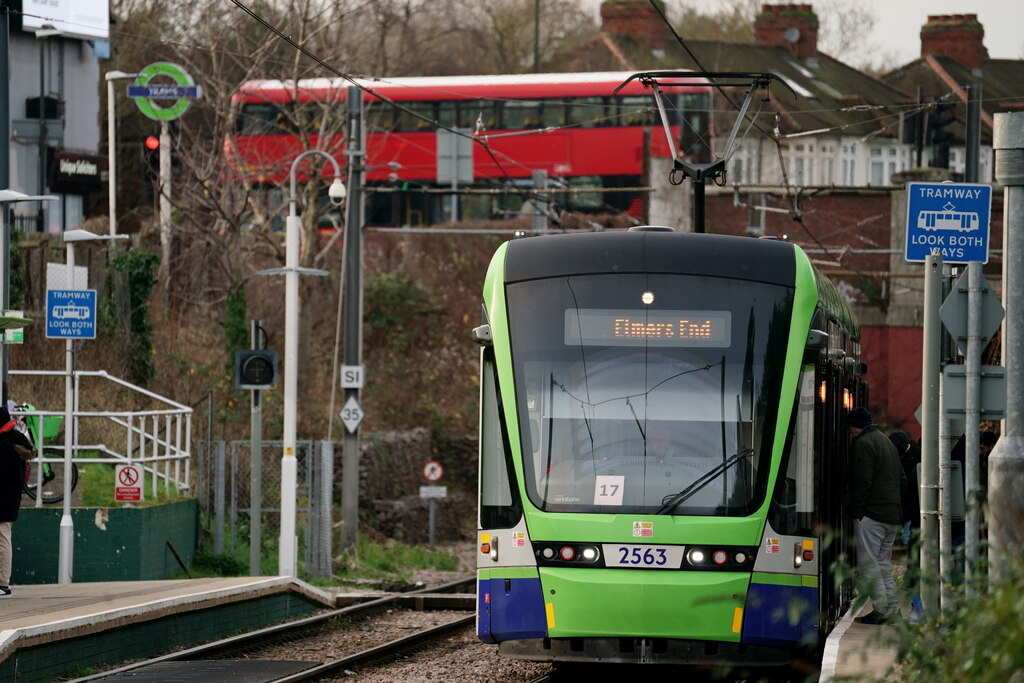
x: 670, y: 502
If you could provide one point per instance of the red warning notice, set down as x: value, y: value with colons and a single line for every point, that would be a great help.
x: 128, y: 484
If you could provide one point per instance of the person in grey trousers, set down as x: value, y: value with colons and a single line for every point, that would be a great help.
x: 877, y: 482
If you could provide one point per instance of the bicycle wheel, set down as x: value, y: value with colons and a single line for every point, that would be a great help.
x: 53, y: 477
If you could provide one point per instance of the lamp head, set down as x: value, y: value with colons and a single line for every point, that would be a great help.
x: 336, y: 192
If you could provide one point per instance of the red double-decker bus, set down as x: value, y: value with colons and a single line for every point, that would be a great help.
x: 567, y: 124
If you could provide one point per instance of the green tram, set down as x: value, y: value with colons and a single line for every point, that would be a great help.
x: 662, y: 449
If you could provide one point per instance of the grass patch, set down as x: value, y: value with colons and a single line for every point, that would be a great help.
x: 386, y: 558
x: 96, y: 482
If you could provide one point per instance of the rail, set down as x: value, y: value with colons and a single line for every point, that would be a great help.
x: 156, y: 439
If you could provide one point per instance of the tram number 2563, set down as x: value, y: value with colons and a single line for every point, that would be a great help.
x: 643, y: 556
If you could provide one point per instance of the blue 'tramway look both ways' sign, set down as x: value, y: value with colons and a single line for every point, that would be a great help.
x: 71, y: 314
x: 951, y: 219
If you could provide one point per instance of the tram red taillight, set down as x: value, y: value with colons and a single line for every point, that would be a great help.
x: 567, y: 553
x: 719, y: 557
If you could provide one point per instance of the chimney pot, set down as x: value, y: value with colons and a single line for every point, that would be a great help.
x: 636, y: 20
x: 774, y: 20
x: 958, y: 36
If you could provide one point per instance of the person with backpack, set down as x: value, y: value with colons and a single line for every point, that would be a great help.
x: 15, y: 450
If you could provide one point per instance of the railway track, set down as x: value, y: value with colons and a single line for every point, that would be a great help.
x: 234, y: 655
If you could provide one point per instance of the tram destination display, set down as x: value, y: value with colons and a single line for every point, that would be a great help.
x: 622, y: 327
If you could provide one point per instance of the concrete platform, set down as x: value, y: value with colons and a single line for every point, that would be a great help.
x: 860, y: 652
x: 49, y: 630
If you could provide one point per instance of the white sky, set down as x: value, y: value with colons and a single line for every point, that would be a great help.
x: 898, y: 24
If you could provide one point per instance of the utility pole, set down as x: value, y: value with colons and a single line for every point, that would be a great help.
x: 972, y: 143
x: 353, y: 298
x: 1006, y: 462
x: 929, y: 484
x: 255, y: 464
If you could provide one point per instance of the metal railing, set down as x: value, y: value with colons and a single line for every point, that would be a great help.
x: 156, y: 439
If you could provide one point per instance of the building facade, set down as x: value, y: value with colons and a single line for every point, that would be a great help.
x: 52, y: 113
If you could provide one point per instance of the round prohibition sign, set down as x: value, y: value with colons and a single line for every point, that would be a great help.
x: 179, y: 76
x: 128, y: 476
x: 433, y: 471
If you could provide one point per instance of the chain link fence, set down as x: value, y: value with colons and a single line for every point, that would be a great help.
x: 225, y: 478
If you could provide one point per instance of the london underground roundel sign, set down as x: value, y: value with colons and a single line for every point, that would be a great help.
x: 180, y: 93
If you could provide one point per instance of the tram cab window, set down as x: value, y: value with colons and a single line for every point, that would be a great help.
x: 629, y: 406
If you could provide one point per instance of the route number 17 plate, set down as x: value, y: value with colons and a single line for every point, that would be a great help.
x: 643, y: 556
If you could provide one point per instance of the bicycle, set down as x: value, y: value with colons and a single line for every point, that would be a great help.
x: 52, y: 488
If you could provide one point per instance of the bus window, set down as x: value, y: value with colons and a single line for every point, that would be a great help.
x: 416, y: 116
x: 552, y: 113
x: 380, y: 116
x: 313, y: 117
x: 586, y: 112
x: 695, y: 132
x: 446, y: 113
x: 638, y: 110
x: 263, y: 118
x: 521, y: 114
x: 486, y: 112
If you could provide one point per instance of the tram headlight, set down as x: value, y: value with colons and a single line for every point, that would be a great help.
x: 740, y: 558
x: 547, y: 553
x: 695, y: 556
x: 589, y: 554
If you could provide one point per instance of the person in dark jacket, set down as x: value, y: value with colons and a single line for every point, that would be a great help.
x: 15, y: 449
x: 877, y: 483
x: 910, y: 458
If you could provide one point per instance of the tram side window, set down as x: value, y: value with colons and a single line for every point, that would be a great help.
x: 416, y: 116
x: 500, y: 507
x: 793, y: 500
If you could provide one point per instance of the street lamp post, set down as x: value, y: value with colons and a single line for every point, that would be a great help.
x: 112, y: 76
x: 287, y: 557
x: 8, y: 197
x: 65, y: 560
